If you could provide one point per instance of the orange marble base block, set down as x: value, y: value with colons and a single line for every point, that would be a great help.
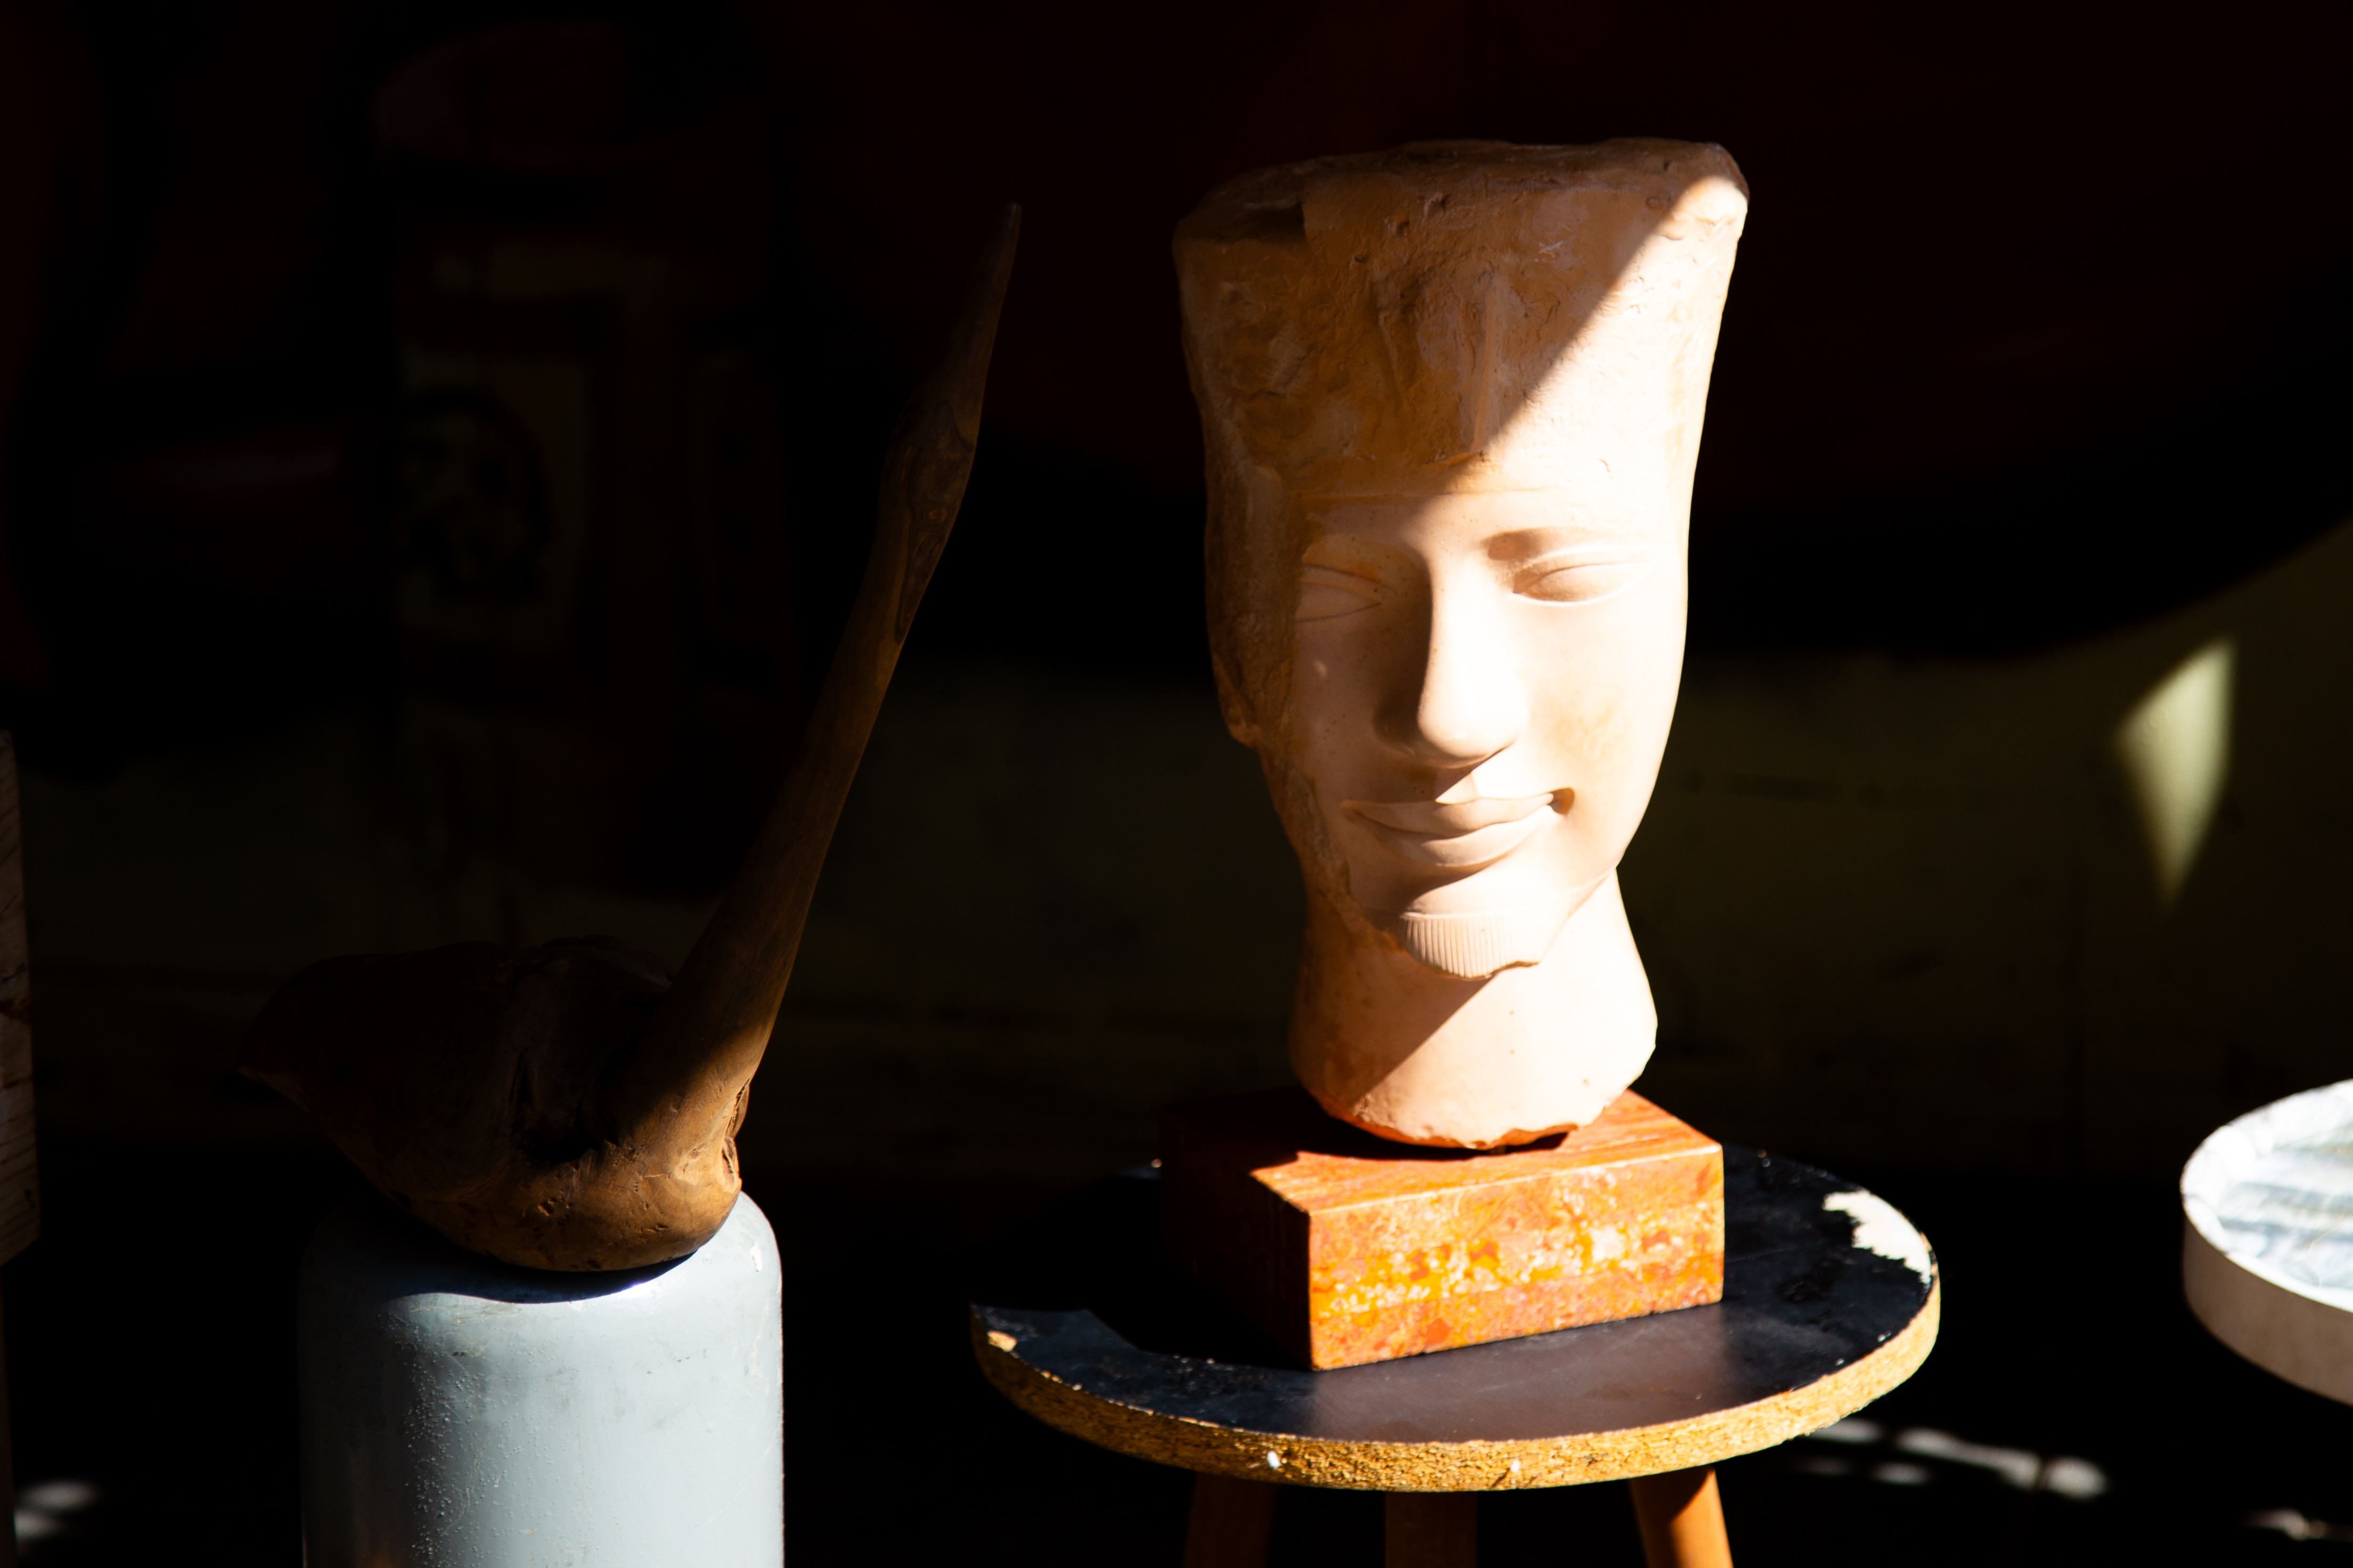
x: 1348, y: 1248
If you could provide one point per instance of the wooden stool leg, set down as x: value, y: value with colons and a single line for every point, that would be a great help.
x: 1432, y: 1529
x: 1682, y: 1516
x: 1230, y: 1524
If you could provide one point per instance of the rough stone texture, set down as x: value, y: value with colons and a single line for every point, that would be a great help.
x: 1451, y: 398
x: 1346, y: 1249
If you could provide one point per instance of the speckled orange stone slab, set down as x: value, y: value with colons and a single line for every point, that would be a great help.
x: 1348, y: 1248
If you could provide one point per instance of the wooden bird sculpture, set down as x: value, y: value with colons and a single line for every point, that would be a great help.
x: 574, y: 1105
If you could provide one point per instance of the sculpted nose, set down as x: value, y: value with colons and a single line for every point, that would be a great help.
x: 1470, y: 702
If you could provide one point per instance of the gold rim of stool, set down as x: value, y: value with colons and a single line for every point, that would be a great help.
x: 1573, y: 1460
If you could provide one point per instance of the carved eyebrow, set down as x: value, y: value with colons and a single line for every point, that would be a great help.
x: 1524, y: 545
x: 1361, y: 573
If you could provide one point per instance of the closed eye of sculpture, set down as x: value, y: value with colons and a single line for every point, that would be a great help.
x: 574, y: 1105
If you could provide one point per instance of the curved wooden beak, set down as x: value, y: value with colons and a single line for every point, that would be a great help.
x: 681, y: 1084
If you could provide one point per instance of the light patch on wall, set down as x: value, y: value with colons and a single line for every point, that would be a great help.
x: 2175, y: 745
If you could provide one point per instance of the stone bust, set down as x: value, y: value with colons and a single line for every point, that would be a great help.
x: 1451, y: 397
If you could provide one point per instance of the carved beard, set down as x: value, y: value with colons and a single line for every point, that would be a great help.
x: 1475, y: 945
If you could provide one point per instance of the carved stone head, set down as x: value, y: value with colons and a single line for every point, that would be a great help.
x: 1450, y: 396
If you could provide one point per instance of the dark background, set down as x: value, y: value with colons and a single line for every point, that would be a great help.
x: 2037, y: 329
x: 2038, y: 332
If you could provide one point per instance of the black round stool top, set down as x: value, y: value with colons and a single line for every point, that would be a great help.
x: 1829, y: 1300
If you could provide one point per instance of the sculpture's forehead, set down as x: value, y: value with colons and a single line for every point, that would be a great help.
x: 1558, y: 516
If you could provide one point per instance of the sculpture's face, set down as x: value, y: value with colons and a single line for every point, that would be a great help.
x: 1479, y: 691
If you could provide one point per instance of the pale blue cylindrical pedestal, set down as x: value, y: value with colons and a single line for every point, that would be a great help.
x: 461, y: 1413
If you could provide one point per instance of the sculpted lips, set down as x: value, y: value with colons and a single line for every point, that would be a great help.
x: 1465, y: 835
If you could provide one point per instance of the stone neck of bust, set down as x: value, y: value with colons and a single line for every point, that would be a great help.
x: 1413, y: 1052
